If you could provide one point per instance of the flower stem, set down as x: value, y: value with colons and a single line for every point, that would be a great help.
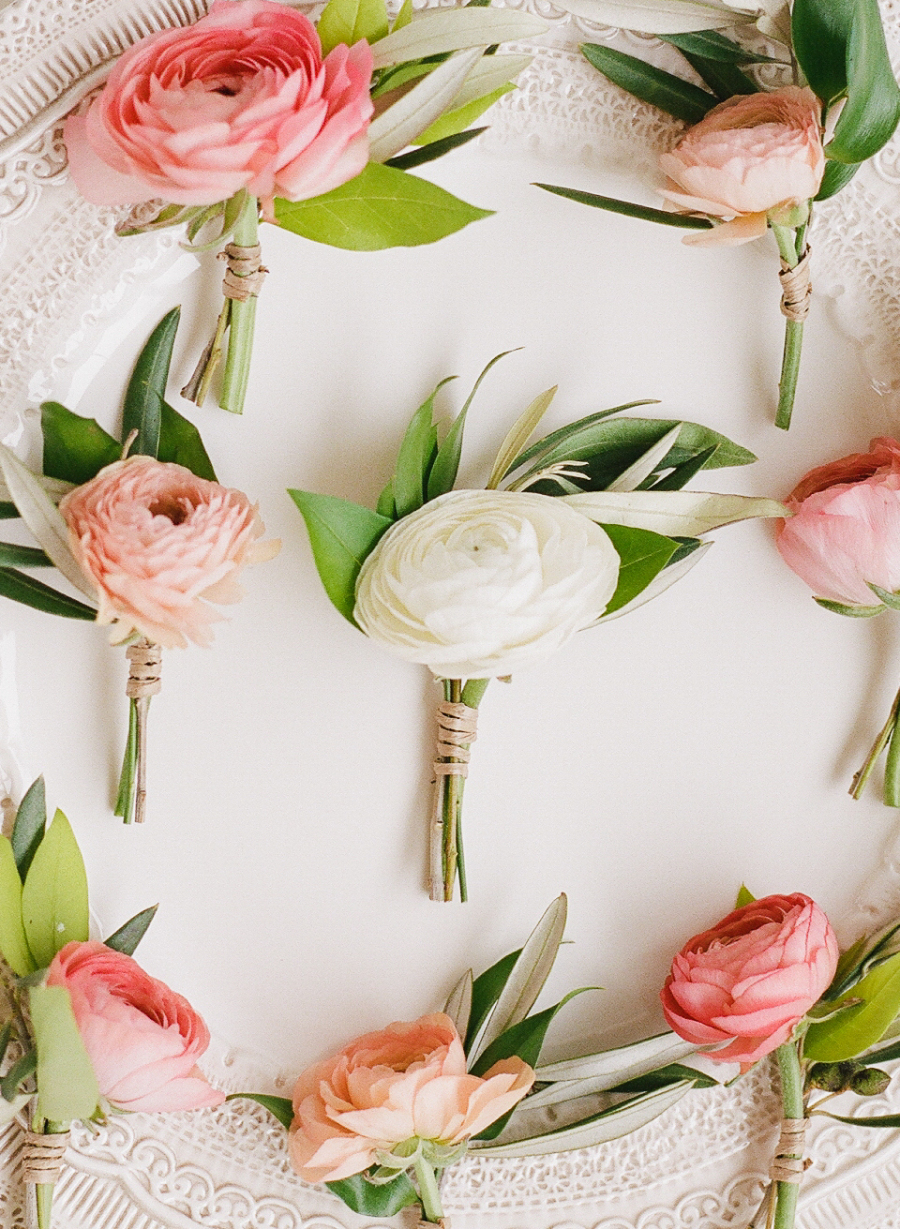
x: 786, y: 1193
x: 892, y: 771
x: 125, y: 797
x: 429, y: 1191
x: 788, y: 242
x: 242, y: 321
x: 446, y: 856
x: 453, y: 798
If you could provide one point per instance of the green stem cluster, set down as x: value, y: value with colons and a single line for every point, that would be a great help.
x: 429, y: 1191
x: 888, y: 738
x: 791, y: 245
x: 787, y: 1193
x: 241, y: 322
x: 450, y: 801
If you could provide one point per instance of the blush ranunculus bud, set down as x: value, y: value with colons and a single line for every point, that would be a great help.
x: 406, y: 1082
x: 476, y: 584
x: 751, y: 979
x: 240, y: 99
x: 142, y: 1038
x: 752, y: 156
x: 159, y: 544
x: 845, y: 531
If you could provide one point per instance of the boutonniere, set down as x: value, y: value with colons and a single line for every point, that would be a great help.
x: 754, y: 160
x: 583, y: 525
x: 253, y: 111
x: 140, y: 527
x: 85, y: 1031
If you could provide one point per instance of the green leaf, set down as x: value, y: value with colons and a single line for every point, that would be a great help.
x: 744, y: 897
x: 67, y: 1086
x: 665, y: 1077
x: 146, y: 391
x: 415, y: 458
x: 453, y: 123
x: 31, y: 822
x: 405, y: 16
x: 837, y: 176
x: 459, y: 1003
x: 872, y: 112
x: 8, y: 512
x: 433, y: 150
x: 179, y: 441
x: 127, y: 937
x: 12, y: 555
x: 661, y: 89
x: 891, y: 600
x: 682, y: 474
x: 386, y: 506
x: 347, y: 21
x: 518, y: 436
x: 820, y: 32
x: 280, y: 1107
x: 18, y: 1074
x: 558, y: 444
x: 412, y: 111
x: 75, y: 448
x: 341, y: 534
x: 885, y: 1121
x: 645, y: 212
x: 381, y: 208
x: 851, y: 612
x: 375, y: 1199
x: 725, y: 80
x: 30, y: 592
x: 643, y: 556
x: 713, y: 46
x: 855, y: 1030
x: 55, y: 894
x: 13, y: 943
x: 672, y: 513
x: 486, y: 989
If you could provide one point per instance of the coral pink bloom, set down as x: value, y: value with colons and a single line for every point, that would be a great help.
x: 143, y: 1040
x: 240, y: 99
x: 751, y: 979
x: 160, y: 543
x: 408, y: 1081
x: 845, y: 531
x: 753, y: 155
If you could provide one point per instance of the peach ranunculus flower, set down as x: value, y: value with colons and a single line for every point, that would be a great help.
x: 240, y: 99
x: 753, y: 156
x: 159, y: 544
x: 845, y: 531
x: 142, y: 1038
x: 407, y: 1082
x: 751, y: 979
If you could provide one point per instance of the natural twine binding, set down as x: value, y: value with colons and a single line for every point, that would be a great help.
x: 42, y: 1157
x: 244, y: 275
x: 796, y: 289
x: 145, y: 669
x: 443, y: 1223
x: 457, y: 728
x: 789, y: 1165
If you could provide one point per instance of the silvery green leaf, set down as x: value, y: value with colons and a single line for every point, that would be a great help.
x: 459, y: 1003
x: 518, y: 436
x: 437, y: 31
x: 55, y: 488
x: 527, y: 977
x: 42, y: 517
x: 659, y: 16
x: 631, y: 478
x: 618, y: 1065
x: 682, y: 513
x: 402, y: 122
x: 666, y: 578
x: 610, y: 1124
x: 489, y: 74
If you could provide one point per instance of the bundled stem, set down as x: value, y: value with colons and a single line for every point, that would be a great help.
x: 144, y: 681
x: 457, y: 718
x: 795, y: 300
x: 429, y: 1193
x: 887, y: 738
x: 788, y: 1165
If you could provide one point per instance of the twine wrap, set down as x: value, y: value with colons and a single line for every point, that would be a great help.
x: 244, y: 275
x: 443, y: 1223
x: 457, y: 727
x: 145, y: 669
x: 796, y: 289
x: 788, y: 1165
x: 42, y: 1157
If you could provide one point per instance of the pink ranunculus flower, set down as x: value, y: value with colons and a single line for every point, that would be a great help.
x: 752, y: 156
x: 407, y: 1081
x: 752, y: 978
x: 845, y: 531
x: 240, y: 99
x: 142, y: 1038
x: 159, y: 544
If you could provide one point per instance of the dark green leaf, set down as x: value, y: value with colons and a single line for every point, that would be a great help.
x: 872, y: 111
x: 686, y: 546
x: 643, y: 556
x: 661, y: 89
x: 18, y: 1073
x: 21, y: 588
x: 885, y: 1054
x: 8, y: 511
x: 645, y: 212
x: 714, y: 46
x: 837, y: 175
x: 580, y: 431
x: 381, y: 208
x: 341, y: 534
x: 75, y: 448
x: 433, y: 150
x: 146, y: 391
x: 31, y: 822
x: 851, y: 612
x: 375, y: 1199
x: 415, y: 458
x: 446, y: 463
x: 682, y: 474
x: 820, y: 32
x: 280, y: 1107
x: 386, y: 506
x: 674, y: 1073
x: 127, y: 937
x: 179, y: 441
x: 725, y: 80
x: 486, y: 989
x: 12, y: 555
x: 889, y: 1121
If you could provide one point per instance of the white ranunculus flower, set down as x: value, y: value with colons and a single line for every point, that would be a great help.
x: 478, y: 583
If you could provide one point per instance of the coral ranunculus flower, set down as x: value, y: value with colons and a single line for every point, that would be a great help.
x: 406, y: 1082
x: 240, y: 99
x: 752, y: 978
